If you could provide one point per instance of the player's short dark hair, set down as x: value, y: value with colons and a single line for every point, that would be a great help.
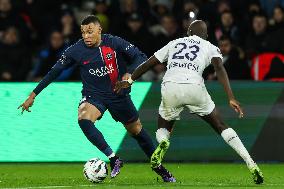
x: 90, y: 19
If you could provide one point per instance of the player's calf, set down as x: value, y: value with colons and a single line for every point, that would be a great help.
x: 232, y: 139
x: 95, y: 136
x: 145, y: 142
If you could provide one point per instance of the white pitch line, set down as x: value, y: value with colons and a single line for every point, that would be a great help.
x: 38, y: 187
x: 198, y: 185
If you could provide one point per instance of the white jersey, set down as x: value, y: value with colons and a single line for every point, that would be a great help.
x: 187, y: 58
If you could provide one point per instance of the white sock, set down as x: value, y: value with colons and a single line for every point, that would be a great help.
x: 162, y: 134
x: 111, y: 155
x: 231, y: 138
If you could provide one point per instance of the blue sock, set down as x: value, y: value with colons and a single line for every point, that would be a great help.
x: 95, y: 136
x: 145, y: 142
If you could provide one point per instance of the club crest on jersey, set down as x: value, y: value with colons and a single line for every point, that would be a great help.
x: 108, y: 56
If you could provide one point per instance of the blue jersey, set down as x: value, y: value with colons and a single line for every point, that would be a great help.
x: 100, y: 67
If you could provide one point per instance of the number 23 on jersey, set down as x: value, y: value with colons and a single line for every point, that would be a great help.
x: 190, y: 51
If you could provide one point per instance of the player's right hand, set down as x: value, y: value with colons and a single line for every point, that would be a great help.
x: 121, y: 85
x: 27, y: 104
x: 237, y: 107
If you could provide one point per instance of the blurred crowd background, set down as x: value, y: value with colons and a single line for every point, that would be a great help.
x: 249, y: 33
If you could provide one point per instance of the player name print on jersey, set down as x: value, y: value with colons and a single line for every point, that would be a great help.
x: 190, y: 40
x: 186, y: 65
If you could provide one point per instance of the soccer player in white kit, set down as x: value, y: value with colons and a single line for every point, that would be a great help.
x: 183, y: 87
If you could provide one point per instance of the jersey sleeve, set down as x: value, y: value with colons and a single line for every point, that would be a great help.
x: 135, y: 56
x: 64, y: 62
x: 163, y: 54
x: 214, y: 52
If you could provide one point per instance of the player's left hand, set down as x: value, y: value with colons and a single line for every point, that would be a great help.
x: 26, y: 105
x: 237, y: 107
x: 121, y: 85
x: 126, y: 76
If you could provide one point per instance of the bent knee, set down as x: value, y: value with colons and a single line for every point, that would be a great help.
x: 134, y: 128
x: 83, y: 112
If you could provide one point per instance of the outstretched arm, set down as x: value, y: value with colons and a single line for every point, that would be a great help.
x: 224, y: 80
x: 138, y: 72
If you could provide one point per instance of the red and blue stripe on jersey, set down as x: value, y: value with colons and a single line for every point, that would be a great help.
x: 109, y: 57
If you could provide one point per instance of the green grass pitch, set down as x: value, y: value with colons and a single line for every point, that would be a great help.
x: 138, y: 175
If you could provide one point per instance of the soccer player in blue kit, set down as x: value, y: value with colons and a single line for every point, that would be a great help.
x: 103, y: 59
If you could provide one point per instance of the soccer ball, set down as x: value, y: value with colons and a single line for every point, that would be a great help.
x: 95, y: 170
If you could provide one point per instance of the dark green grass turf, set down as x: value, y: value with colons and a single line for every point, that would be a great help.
x: 134, y: 175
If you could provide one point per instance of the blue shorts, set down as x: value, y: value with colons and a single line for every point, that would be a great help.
x: 121, y: 109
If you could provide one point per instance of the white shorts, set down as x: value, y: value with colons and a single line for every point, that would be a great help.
x: 176, y: 96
